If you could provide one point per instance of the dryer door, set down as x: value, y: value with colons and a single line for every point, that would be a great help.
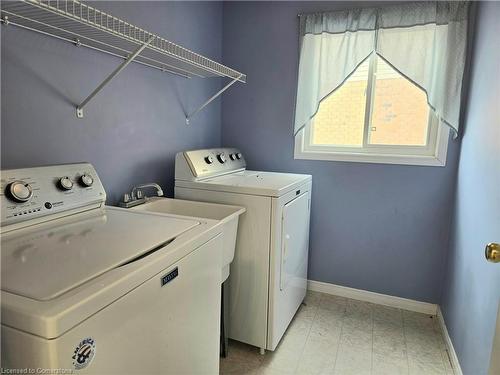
x: 295, y: 242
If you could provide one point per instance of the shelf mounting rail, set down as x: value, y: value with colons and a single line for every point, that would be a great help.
x: 83, y: 25
x: 123, y: 65
x: 190, y: 116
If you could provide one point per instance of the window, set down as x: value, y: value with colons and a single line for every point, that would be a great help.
x: 377, y: 115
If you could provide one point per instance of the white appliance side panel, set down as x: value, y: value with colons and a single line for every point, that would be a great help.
x: 153, y: 329
x: 294, y: 241
x: 249, y: 271
x: 289, y: 260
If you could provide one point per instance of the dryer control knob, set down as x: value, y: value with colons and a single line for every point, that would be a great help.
x: 20, y: 191
x: 86, y: 180
x: 232, y: 156
x: 209, y: 159
x: 238, y: 155
x: 222, y: 158
x: 65, y: 183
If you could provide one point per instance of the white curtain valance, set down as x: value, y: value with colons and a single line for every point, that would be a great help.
x: 424, y: 41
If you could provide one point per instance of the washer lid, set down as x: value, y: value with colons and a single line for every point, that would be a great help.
x: 271, y: 184
x: 44, y: 261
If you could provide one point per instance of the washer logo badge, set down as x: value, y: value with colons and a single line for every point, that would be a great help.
x: 84, y: 353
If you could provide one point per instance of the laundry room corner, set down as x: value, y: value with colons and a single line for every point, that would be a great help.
x: 377, y: 227
x: 250, y: 187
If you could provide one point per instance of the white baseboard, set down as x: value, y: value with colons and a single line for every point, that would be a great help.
x: 381, y: 299
x: 449, y: 345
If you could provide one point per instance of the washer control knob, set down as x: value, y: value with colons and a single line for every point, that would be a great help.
x: 238, y: 155
x: 20, y: 191
x: 209, y: 159
x: 222, y: 157
x: 86, y: 180
x: 232, y: 156
x: 66, y: 183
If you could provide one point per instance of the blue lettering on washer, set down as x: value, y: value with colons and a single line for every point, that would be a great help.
x: 170, y: 276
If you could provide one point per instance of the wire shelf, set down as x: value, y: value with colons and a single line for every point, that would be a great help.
x: 78, y: 23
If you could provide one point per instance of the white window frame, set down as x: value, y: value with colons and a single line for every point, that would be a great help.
x: 432, y: 154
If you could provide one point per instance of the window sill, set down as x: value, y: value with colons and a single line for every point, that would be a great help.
x: 436, y: 160
x: 372, y: 158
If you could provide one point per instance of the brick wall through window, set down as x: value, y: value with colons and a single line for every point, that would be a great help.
x: 399, y: 111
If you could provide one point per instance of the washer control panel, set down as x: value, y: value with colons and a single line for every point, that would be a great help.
x: 208, y: 163
x: 30, y: 193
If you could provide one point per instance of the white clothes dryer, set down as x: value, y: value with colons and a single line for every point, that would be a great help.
x: 268, y: 277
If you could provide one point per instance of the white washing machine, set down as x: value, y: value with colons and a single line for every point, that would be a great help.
x: 103, y: 290
x: 268, y: 278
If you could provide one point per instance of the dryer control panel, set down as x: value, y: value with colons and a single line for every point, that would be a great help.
x: 31, y: 193
x: 199, y: 164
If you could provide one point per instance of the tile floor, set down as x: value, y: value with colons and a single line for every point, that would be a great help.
x: 340, y: 336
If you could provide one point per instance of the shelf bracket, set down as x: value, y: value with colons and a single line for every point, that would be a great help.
x: 190, y: 116
x: 123, y: 65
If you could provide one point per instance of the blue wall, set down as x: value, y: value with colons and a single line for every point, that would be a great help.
x: 382, y: 228
x: 133, y: 128
x: 472, y: 286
